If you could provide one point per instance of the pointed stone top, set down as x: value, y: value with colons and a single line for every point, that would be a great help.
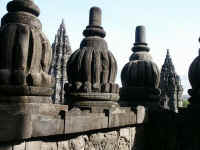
x: 168, y: 63
x: 168, y: 55
x: 63, y: 22
x: 95, y: 16
x: 167, y: 52
x: 140, y: 35
x: 94, y: 28
x: 62, y: 25
x: 140, y: 39
x: 23, y: 5
x: 199, y: 48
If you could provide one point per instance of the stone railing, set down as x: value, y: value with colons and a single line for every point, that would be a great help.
x: 97, y: 114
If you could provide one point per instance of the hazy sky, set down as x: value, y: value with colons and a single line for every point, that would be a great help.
x: 170, y: 24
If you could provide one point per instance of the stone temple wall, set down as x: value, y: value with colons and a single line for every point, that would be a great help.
x: 97, y: 115
x: 122, y: 139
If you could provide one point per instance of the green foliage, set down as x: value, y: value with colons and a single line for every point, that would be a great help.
x: 186, y: 103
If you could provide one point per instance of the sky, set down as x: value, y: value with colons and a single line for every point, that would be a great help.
x: 170, y: 24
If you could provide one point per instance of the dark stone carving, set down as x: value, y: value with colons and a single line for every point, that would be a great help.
x: 25, y: 52
x: 61, y: 53
x: 140, y: 76
x: 194, y: 80
x: 92, y: 69
x: 170, y: 85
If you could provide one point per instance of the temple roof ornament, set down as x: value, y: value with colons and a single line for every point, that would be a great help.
x: 25, y: 52
x: 92, y: 68
x: 61, y: 53
x: 194, y: 79
x: 140, y: 76
x: 170, y: 85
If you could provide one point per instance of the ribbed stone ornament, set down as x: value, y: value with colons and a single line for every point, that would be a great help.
x: 25, y: 52
x: 140, y: 76
x: 92, y: 68
x: 194, y: 74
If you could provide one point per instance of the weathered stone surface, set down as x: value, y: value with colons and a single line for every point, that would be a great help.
x: 139, y: 94
x: 26, y: 120
x: 92, y: 68
x: 14, y: 126
x: 48, y: 146
x: 140, y: 76
x: 33, y: 145
x: 77, y: 143
x: 6, y: 147
x: 22, y: 121
x: 122, y: 139
x: 113, y: 140
x: 146, y: 72
x: 125, y: 132
x: 63, y: 145
x: 193, y: 75
x: 21, y: 146
x: 8, y: 90
x: 25, y: 51
x: 85, y: 122
x: 25, y: 99
x: 141, y: 114
x: 115, y: 116
x: 61, y: 53
x: 46, y: 126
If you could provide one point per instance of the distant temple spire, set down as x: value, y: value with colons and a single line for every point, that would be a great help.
x: 170, y: 84
x: 61, y: 53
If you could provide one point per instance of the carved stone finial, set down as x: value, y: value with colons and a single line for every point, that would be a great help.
x: 23, y: 5
x: 92, y: 68
x: 95, y: 16
x: 140, y: 76
x: 140, y: 35
x: 94, y: 28
x: 194, y: 79
x: 140, y: 40
x: 25, y: 52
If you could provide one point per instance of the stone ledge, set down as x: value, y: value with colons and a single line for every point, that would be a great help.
x: 20, y: 121
x: 15, y: 90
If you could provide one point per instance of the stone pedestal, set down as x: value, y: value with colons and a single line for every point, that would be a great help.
x: 97, y: 102
x: 26, y: 120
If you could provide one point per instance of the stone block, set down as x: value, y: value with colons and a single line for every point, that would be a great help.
x: 33, y: 145
x: 14, y: 126
x: 141, y: 114
x: 6, y: 147
x: 45, y: 126
x: 21, y: 146
x: 77, y: 143
x: 25, y: 90
x: 115, y: 120
x: 85, y: 122
x: 125, y: 132
x: 21, y: 121
x: 121, y: 117
x: 64, y: 145
x: 48, y: 146
x: 25, y: 99
x: 48, y: 110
